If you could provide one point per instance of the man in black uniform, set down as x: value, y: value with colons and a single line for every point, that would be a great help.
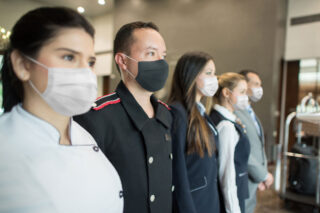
x: 131, y: 126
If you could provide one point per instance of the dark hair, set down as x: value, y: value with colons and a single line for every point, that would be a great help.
x: 184, y: 90
x: 246, y: 72
x: 29, y: 34
x: 124, y: 37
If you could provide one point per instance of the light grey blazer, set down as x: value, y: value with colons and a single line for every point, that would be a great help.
x: 257, y: 164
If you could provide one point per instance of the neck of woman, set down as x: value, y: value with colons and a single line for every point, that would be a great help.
x: 35, y: 105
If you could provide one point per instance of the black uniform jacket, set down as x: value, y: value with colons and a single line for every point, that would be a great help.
x: 137, y: 146
x: 195, y: 178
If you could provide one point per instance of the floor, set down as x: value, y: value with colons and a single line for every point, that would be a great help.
x: 270, y: 202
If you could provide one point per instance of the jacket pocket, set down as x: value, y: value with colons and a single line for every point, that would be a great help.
x: 199, y: 183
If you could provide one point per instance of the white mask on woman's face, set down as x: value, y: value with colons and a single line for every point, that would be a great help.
x: 70, y: 91
x: 242, y: 102
x: 210, y: 86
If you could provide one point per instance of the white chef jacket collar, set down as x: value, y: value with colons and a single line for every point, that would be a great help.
x: 45, y: 128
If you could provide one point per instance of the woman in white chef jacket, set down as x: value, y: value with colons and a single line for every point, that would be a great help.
x: 48, y: 163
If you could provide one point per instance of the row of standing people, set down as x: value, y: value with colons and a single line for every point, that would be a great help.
x: 131, y: 152
x: 212, y: 170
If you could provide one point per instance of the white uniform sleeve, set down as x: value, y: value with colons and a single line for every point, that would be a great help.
x: 228, y: 139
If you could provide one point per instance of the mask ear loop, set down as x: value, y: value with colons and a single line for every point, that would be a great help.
x: 229, y: 100
x: 36, y: 62
x: 130, y: 73
x: 29, y: 81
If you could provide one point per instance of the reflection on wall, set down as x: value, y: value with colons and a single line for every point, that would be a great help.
x: 1, y: 110
x: 309, y: 78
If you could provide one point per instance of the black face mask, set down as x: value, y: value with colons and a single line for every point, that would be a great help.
x: 152, y: 75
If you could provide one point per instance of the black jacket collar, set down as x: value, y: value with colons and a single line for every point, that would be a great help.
x: 135, y: 111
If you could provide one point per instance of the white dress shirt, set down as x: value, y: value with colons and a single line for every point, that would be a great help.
x: 228, y: 139
x: 38, y: 175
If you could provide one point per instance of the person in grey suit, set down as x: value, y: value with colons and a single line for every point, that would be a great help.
x: 259, y: 177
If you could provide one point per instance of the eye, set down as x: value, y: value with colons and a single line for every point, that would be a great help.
x: 68, y: 57
x: 92, y: 63
x: 151, y: 53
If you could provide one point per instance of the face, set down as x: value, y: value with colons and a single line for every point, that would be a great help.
x: 70, y: 48
x: 148, y: 45
x: 208, y: 71
x: 254, y: 82
x: 239, y: 90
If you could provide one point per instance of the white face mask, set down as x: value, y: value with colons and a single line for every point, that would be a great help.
x: 242, y: 102
x: 210, y: 86
x: 70, y: 91
x: 257, y: 93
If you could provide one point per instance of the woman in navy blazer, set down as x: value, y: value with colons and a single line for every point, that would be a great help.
x: 194, y: 137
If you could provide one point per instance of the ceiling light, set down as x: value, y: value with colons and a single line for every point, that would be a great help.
x: 4, y: 38
x: 101, y: 2
x: 80, y: 9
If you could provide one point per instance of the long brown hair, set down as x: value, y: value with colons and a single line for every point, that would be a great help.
x: 183, y: 90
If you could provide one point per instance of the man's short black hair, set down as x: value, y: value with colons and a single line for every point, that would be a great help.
x: 124, y: 38
x: 246, y: 72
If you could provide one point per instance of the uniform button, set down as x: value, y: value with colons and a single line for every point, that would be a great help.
x: 168, y: 137
x: 150, y: 160
x: 171, y: 156
x: 121, y: 194
x: 95, y: 148
x: 172, y: 188
x: 152, y: 198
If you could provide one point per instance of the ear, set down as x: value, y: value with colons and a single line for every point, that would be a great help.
x: 225, y: 92
x: 20, y: 67
x: 121, y: 61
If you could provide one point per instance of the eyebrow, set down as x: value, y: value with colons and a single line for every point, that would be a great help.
x: 74, y: 52
x: 154, y: 48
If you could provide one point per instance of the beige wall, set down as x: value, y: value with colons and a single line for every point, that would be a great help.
x: 12, y: 10
x: 238, y: 34
x: 302, y: 41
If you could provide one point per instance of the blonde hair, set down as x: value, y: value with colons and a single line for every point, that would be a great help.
x: 227, y: 80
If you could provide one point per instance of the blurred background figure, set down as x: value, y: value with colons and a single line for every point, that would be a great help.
x: 259, y: 177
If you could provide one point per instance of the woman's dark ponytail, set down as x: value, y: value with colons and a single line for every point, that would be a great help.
x: 12, y: 92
